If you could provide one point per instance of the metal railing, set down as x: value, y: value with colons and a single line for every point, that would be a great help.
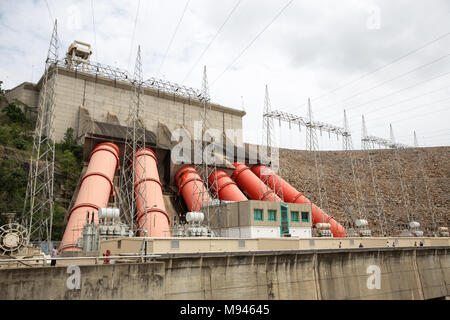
x: 98, y: 69
x: 46, y: 260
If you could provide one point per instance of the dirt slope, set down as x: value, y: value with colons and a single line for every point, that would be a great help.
x: 297, y: 166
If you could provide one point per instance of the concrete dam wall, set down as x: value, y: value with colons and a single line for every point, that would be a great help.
x: 384, y: 273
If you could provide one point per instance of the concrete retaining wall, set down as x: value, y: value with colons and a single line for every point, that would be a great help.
x: 405, y: 273
x: 101, y: 95
x: 165, y: 245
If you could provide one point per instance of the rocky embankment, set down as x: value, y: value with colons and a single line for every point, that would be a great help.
x: 344, y: 187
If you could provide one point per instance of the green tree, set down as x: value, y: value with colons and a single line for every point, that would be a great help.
x: 68, y: 140
x: 58, y: 222
x: 20, y: 139
x: 70, y: 170
x: 70, y: 144
x: 5, y: 136
x: 13, y: 184
x: 14, y: 113
x: 14, y: 135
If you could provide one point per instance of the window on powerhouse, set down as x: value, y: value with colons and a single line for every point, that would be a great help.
x: 258, y: 215
x: 272, y: 215
x: 294, y: 216
x: 305, y: 216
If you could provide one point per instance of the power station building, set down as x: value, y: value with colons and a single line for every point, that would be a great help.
x: 262, y: 219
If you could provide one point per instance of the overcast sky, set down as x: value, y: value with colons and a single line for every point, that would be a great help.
x: 309, y: 50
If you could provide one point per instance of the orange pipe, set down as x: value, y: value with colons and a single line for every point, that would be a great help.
x: 95, y: 189
x: 291, y: 195
x: 252, y: 185
x: 192, y: 188
x: 226, y: 188
x: 150, y: 207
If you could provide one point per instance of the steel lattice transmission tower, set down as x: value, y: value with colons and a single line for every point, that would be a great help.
x: 205, y: 87
x: 416, y: 142
x: 37, y: 215
x: 267, y: 122
x: 311, y: 136
x: 420, y: 167
x: 347, y: 137
x: 369, y: 141
x: 312, y: 144
x: 135, y: 140
x: 268, y: 145
x: 366, y: 145
x: 403, y: 185
x: 364, y: 141
x: 348, y: 147
x: 205, y: 162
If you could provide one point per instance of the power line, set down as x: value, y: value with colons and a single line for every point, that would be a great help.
x: 429, y: 132
x: 173, y: 36
x: 406, y: 100
x: 434, y: 132
x: 435, y: 137
x: 52, y: 20
x: 417, y: 116
x: 214, y: 38
x: 413, y: 117
x: 410, y: 109
x: 251, y: 42
x: 381, y: 68
x: 446, y: 135
x: 93, y: 25
x: 134, y: 31
x: 398, y: 91
x: 415, y: 108
x: 49, y: 12
x: 390, y: 80
x: 402, y: 101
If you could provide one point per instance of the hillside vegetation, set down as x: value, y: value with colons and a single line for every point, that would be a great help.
x: 16, y: 142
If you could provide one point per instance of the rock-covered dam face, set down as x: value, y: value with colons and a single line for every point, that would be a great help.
x: 384, y: 273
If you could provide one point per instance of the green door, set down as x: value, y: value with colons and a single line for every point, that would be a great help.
x: 284, y: 227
